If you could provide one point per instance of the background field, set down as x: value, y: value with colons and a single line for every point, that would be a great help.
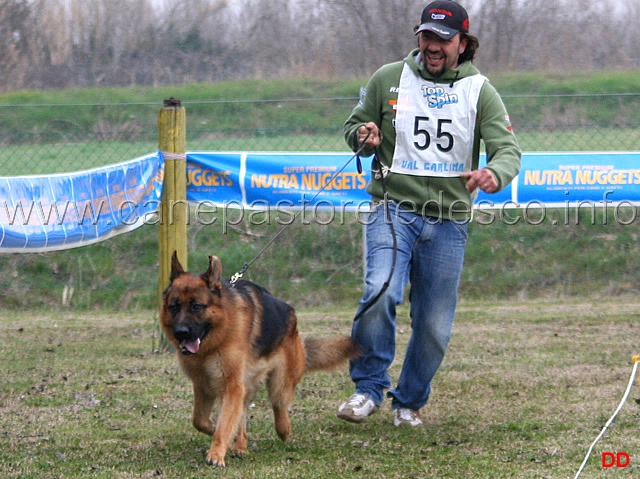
x: 524, y: 390
x: 57, y: 131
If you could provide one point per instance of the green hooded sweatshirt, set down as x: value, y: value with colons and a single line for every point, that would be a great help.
x: 445, y: 198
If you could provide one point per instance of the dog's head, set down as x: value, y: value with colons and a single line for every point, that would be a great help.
x: 190, y: 303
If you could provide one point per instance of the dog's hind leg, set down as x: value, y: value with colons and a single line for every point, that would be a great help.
x: 242, y: 439
x: 282, y: 383
x: 281, y: 396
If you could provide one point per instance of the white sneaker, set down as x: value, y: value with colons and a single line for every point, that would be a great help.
x: 404, y: 416
x: 357, y: 408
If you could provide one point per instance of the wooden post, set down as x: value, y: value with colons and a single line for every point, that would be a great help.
x: 174, y: 211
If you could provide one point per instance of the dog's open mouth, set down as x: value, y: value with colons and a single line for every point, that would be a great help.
x: 190, y: 337
x: 190, y: 347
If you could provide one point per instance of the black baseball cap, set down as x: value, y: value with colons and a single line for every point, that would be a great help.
x: 445, y: 18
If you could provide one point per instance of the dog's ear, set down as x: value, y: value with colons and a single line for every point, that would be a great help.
x: 213, y: 274
x: 176, y: 267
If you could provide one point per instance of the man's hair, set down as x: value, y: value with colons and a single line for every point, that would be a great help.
x: 472, y: 46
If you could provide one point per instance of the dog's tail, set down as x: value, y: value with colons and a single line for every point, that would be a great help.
x: 326, y: 354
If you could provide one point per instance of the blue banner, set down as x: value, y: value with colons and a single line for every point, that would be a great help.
x: 54, y: 212
x: 296, y: 180
x: 46, y: 213
x: 215, y: 177
x: 284, y: 180
x: 561, y: 180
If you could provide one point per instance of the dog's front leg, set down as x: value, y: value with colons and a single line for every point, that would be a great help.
x: 202, y: 405
x: 229, y: 417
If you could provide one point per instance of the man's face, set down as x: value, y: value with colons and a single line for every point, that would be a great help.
x: 438, y: 54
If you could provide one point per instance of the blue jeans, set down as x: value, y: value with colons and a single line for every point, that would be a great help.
x: 430, y: 255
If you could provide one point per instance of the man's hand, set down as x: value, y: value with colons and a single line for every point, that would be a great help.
x: 370, y: 135
x: 483, y: 179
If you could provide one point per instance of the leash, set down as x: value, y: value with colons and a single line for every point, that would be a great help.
x: 356, y: 156
x: 385, y: 201
x: 234, y: 279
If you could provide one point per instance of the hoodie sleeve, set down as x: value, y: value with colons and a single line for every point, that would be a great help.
x: 503, y: 151
x: 377, y: 104
x: 367, y: 109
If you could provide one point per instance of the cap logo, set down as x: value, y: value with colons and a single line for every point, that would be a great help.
x: 438, y: 16
x: 441, y: 32
x: 441, y: 12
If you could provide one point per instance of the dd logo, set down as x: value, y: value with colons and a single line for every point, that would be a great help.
x: 615, y: 459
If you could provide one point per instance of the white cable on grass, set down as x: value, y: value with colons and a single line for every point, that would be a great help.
x: 636, y: 361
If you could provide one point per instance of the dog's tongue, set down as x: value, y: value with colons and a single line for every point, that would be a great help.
x: 192, y: 346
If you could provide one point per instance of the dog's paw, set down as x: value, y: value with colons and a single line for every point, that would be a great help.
x: 239, y: 453
x: 240, y: 445
x: 215, y: 459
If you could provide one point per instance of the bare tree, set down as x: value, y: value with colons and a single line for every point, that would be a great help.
x: 66, y: 43
x: 14, y: 45
x: 370, y: 33
x: 628, y: 33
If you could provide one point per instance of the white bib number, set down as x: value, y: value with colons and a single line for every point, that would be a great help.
x: 435, y: 125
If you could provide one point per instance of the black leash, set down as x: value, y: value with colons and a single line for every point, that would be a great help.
x: 383, y: 174
x: 385, y: 201
x: 356, y: 156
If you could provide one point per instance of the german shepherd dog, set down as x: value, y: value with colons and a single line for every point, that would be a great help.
x: 232, y: 338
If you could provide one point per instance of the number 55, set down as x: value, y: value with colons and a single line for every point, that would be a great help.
x: 420, y: 131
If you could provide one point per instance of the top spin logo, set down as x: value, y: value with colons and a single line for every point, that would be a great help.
x: 437, y: 97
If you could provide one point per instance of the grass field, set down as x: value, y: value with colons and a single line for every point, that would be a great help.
x: 59, y: 131
x: 539, y: 359
x: 67, y: 157
x: 524, y: 390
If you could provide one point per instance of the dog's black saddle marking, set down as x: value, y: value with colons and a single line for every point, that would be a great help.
x: 275, y: 320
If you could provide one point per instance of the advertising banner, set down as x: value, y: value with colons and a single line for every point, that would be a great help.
x: 286, y: 180
x: 296, y: 180
x: 563, y: 180
x: 61, y: 211
x: 52, y: 212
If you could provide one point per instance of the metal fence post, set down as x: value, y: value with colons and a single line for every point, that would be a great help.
x: 174, y: 210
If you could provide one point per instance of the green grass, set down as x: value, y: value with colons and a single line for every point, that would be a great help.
x: 315, y: 265
x: 524, y: 390
x: 57, y: 131
x: 578, y: 139
x: 240, y: 107
x: 60, y: 158
x: 538, y: 361
x: 318, y: 265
